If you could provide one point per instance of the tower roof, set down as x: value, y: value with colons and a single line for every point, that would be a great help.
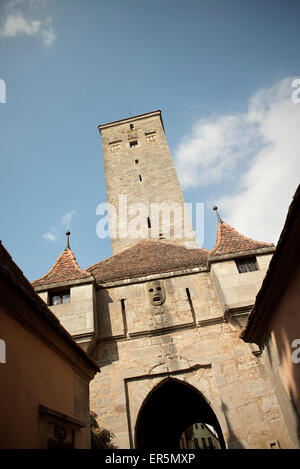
x: 64, y: 270
x: 148, y: 257
x: 14, y: 277
x: 230, y: 241
x: 127, y: 120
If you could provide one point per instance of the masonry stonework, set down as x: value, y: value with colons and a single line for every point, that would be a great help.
x: 161, y: 315
x: 141, y: 169
x: 206, y: 353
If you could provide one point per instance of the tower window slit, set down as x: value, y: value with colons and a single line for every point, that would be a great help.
x: 149, y: 222
x: 125, y: 326
x: 191, y: 305
x: 140, y: 177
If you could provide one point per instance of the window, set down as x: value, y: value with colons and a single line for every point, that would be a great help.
x: 210, y: 443
x: 274, y: 444
x: 140, y: 177
x: 204, y: 445
x: 150, y: 138
x: 247, y: 264
x: 196, y: 443
x: 148, y: 222
x: 59, y: 298
x: 136, y: 161
x: 133, y: 143
x: 115, y: 148
x: 131, y: 126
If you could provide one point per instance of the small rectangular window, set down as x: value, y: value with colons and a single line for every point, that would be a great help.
x: 115, y: 148
x: 133, y: 143
x: 59, y: 298
x: 248, y: 264
x: 274, y: 444
x: 151, y: 138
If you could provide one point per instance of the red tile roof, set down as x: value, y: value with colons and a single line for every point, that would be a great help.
x: 65, y: 269
x: 13, y: 275
x: 148, y: 257
x: 230, y: 241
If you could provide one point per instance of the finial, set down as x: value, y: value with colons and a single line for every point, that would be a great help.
x: 67, y: 240
x: 217, y: 214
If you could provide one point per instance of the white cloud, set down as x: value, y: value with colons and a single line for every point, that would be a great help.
x: 18, y: 20
x: 255, y: 153
x: 65, y: 221
x: 67, y: 218
x: 50, y: 236
x: 48, y: 34
x: 17, y: 24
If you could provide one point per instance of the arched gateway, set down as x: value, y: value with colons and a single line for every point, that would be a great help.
x: 168, y: 411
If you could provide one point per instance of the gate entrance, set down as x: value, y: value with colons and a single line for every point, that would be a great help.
x: 171, y: 408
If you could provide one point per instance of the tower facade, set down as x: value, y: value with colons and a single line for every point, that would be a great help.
x: 162, y: 320
x: 143, y: 192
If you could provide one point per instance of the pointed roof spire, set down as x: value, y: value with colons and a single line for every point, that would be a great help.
x: 215, y: 208
x: 230, y: 241
x: 65, y: 269
x: 67, y: 240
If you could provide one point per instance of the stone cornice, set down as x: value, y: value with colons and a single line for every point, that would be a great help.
x: 177, y: 273
x: 70, y: 283
x: 165, y: 330
x: 236, y: 255
x: 130, y: 119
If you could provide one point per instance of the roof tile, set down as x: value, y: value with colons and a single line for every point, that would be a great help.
x: 14, y: 276
x: 65, y: 269
x: 148, y: 257
x: 230, y: 241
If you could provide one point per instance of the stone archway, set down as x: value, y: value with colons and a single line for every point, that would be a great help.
x: 167, y: 411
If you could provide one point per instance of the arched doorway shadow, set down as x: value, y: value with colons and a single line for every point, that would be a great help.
x: 168, y: 410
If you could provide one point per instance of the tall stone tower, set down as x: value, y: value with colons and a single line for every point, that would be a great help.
x: 141, y: 181
x: 163, y: 320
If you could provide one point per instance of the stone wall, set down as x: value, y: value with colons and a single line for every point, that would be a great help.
x: 197, y: 347
x: 78, y: 315
x: 237, y: 290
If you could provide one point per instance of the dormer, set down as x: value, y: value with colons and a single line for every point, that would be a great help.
x: 70, y: 293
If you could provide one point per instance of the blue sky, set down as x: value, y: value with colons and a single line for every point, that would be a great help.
x: 221, y: 73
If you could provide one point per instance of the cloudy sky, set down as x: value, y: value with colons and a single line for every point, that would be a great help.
x: 223, y: 73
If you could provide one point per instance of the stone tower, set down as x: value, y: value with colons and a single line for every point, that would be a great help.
x: 163, y: 320
x: 139, y: 168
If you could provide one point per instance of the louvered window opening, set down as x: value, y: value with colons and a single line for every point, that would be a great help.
x: 248, y: 264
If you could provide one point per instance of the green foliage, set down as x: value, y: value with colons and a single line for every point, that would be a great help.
x: 100, y: 437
